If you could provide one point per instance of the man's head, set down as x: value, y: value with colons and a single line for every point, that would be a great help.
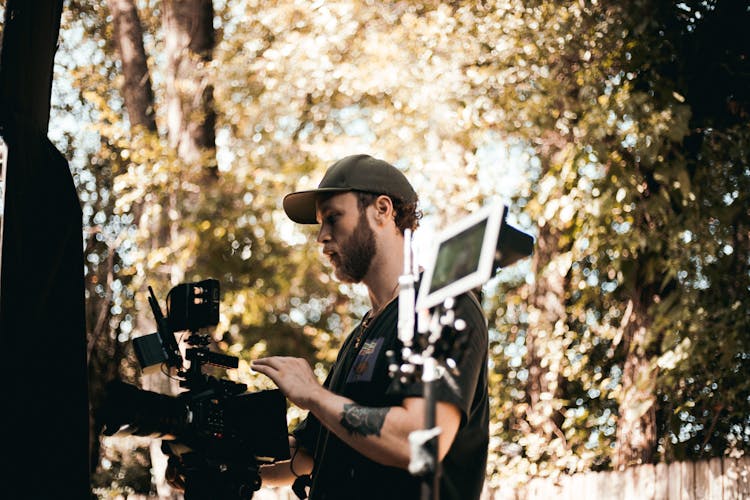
x: 361, y: 174
x: 363, y: 205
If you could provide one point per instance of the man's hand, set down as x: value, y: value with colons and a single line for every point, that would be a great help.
x: 174, y: 474
x: 293, y: 376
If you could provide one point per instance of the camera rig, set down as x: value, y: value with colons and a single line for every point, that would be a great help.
x: 215, y: 433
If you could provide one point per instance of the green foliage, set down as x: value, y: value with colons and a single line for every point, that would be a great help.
x: 627, y: 193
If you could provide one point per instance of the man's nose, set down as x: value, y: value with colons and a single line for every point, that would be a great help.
x: 324, y: 234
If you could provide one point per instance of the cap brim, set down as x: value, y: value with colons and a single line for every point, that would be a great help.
x: 301, y: 206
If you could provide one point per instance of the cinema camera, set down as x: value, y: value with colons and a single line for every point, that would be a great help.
x: 215, y: 433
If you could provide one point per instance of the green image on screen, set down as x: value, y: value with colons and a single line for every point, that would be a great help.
x: 458, y: 256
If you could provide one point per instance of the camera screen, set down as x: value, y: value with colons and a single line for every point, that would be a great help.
x: 462, y: 256
x: 458, y: 256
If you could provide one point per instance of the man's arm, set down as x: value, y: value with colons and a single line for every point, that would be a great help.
x: 284, y: 473
x: 379, y: 433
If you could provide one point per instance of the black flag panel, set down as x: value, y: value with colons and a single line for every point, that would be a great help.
x: 42, y: 323
x: 45, y: 414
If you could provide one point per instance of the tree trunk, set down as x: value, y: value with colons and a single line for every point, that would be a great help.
x: 189, y: 36
x: 636, y: 426
x: 191, y: 118
x: 543, y: 338
x: 547, y: 298
x: 136, y: 90
x: 105, y: 351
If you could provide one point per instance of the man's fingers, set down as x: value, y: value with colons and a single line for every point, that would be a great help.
x: 275, y: 361
x: 264, y: 364
x: 278, y: 362
x: 264, y: 369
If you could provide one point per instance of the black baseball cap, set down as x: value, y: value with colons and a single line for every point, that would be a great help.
x: 353, y: 173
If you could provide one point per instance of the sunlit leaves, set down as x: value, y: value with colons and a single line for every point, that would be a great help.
x: 619, y: 189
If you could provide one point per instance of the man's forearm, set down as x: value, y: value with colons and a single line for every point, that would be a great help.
x: 363, y: 421
x: 379, y: 433
x: 284, y: 473
x: 382, y: 433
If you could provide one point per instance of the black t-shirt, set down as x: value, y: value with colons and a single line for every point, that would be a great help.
x: 361, y: 374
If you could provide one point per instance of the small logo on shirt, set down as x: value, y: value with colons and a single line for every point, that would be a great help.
x: 369, y: 347
x: 364, y: 366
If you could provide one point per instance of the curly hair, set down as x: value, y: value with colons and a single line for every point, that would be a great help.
x: 406, y: 215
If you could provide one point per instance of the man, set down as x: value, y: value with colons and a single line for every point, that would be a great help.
x: 354, y: 441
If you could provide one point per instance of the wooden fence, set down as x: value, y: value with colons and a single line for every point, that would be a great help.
x: 715, y: 479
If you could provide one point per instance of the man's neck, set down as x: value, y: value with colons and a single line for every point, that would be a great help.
x: 383, y: 297
x: 382, y: 278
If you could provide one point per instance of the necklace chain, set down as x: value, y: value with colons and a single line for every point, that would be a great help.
x: 370, y: 317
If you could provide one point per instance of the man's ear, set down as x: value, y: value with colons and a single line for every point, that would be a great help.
x: 383, y: 208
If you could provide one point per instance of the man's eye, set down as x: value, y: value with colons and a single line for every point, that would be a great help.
x: 331, y: 219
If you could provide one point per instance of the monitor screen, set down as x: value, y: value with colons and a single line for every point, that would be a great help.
x: 462, y: 258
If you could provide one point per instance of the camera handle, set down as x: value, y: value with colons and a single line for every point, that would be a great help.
x: 198, y: 354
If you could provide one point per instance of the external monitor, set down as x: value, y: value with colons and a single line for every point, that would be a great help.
x: 463, y: 257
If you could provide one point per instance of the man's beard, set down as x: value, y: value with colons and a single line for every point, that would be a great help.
x: 357, y: 252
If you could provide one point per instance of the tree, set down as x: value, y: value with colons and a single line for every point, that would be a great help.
x: 145, y: 211
x: 600, y: 89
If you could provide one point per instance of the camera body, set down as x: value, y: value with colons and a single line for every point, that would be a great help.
x: 215, y: 432
x: 215, y: 440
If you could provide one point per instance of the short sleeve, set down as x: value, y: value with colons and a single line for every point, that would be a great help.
x: 471, y: 347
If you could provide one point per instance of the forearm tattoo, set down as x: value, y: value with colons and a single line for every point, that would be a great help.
x: 363, y: 421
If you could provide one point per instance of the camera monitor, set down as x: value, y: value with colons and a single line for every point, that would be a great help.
x: 463, y: 257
